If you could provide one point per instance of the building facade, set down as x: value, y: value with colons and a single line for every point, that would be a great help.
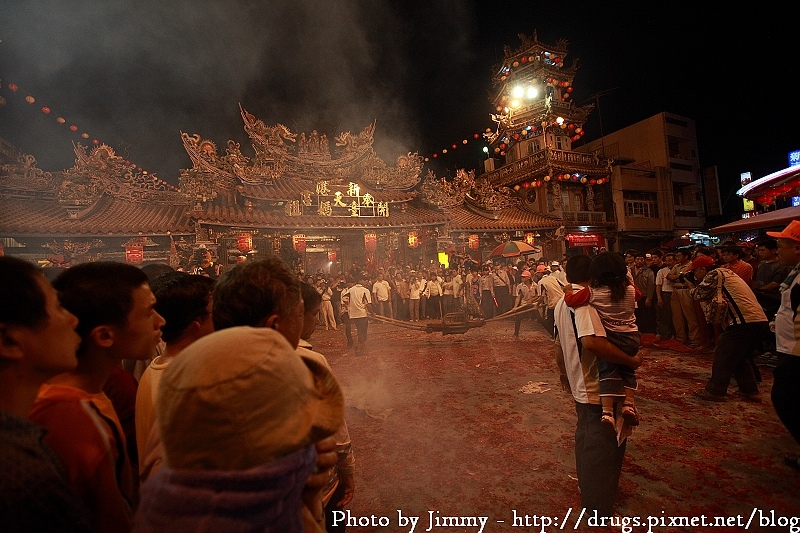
x: 657, y: 182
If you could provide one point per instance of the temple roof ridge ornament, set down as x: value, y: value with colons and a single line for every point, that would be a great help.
x: 281, y: 153
x: 101, y: 171
x: 476, y: 193
x: 19, y: 174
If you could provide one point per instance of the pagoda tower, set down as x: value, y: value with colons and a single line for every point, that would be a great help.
x: 530, y: 150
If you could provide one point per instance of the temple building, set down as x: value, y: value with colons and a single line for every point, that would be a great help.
x: 328, y: 203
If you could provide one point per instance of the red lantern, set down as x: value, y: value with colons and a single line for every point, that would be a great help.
x: 370, y: 242
x: 73, y: 127
x: 332, y: 256
x: 30, y: 99
x: 299, y: 242
x: 13, y: 87
x: 244, y: 242
x: 526, y: 185
x: 95, y: 142
x: 413, y: 239
x: 529, y: 239
x: 476, y: 136
x: 46, y: 110
x: 474, y: 241
x: 134, y: 253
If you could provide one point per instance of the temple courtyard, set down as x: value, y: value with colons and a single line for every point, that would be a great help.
x: 472, y: 432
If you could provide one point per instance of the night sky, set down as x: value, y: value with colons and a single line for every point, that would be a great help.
x: 136, y: 74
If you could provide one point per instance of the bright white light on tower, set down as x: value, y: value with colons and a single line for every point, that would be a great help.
x: 518, y: 91
x: 532, y: 92
x: 560, y: 120
x: 515, y: 103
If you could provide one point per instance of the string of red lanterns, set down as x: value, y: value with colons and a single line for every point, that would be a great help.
x: 453, y: 146
x: 574, y: 178
x: 14, y: 88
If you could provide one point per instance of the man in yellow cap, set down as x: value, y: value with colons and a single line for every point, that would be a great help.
x: 785, y: 390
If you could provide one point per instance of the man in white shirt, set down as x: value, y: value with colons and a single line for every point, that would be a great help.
x: 785, y: 389
x: 551, y: 290
x: 360, y: 304
x: 458, y: 292
x: 380, y: 293
x: 666, y: 329
x: 526, y: 294
x: 581, y: 339
x: 555, y: 269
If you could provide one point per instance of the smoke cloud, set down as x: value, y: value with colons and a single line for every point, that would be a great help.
x: 136, y: 74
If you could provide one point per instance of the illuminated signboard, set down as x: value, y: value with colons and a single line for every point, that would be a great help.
x: 749, y: 205
x: 794, y: 158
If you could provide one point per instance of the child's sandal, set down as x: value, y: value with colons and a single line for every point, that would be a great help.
x: 608, y: 419
x: 629, y: 414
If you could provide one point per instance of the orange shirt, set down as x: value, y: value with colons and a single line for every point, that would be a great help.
x: 84, y: 432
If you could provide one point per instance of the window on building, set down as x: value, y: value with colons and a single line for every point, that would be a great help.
x: 682, y: 194
x: 640, y: 204
x: 674, y: 147
x: 560, y: 145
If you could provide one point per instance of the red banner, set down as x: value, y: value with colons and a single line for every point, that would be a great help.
x: 584, y: 239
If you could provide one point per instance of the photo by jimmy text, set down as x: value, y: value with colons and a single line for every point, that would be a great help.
x: 571, y: 519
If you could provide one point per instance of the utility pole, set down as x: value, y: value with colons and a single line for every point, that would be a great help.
x: 596, y: 98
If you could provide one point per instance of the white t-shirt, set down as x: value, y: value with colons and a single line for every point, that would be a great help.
x: 381, y: 290
x: 584, y: 379
x: 661, y: 279
x: 359, y: 298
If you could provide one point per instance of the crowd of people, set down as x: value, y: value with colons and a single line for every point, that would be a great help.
x: 124, y: 391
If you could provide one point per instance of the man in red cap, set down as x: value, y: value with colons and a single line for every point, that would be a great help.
x: 527, y: 294
x: 785, y: 390
x: 742, y: 331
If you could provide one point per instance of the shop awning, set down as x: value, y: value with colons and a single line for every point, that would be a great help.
x: 773, y: 219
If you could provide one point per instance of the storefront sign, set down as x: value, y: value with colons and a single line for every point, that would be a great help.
x: 584, y: 239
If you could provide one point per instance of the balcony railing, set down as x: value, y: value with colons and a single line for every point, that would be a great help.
x: 540, y: 160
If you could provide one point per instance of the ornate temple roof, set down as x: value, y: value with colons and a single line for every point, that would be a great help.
x: 513, y: 218
x: 101, y: 195
x: 109, y: 216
